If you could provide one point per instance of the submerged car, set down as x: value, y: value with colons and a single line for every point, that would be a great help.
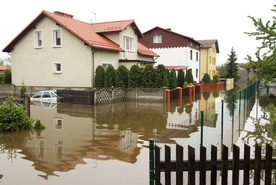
x: 49, y: 96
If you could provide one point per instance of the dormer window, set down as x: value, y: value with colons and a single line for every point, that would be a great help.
x: 128, y: 43
x: 38, y: 39
x: 157, y: 39
x: 56, y: 38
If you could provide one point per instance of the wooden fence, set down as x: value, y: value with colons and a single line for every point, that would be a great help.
x: 213, y: 165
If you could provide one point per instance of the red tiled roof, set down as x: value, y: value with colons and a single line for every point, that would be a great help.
x: 4, y: 68
x: 143, y: 50
x: 176, y: 67
x: 89, y: 33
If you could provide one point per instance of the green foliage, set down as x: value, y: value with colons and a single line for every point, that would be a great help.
x: 180, y: 78
x: 222, y: 71
x: 38, y: 125
x: 216, y: 78
x: 189, y: 76
x: 99, y: 77
x: 172, y: 79
x: 6, y: 77
x: 148, y: 79
x: 110, y: 75
x: 232, y: 66
x: 121, y: 79
x: 206, y: 78
x: 135, y: 76
x: 161, y: 76
x: 266, y: 53
x: 13, y: 117
x: 23, y: 90
x: 185, y: 84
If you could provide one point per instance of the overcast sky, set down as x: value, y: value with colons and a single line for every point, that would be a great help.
x: 223, y: 20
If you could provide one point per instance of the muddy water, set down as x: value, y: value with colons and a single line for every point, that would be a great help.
x: 102, y: 145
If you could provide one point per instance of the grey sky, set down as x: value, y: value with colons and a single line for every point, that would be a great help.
x: 200, y: 19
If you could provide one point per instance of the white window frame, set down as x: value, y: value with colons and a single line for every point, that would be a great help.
x: 38, y: 39
x: 57, y: 33
x: 128, y: 43
x: 157, y: 39
x: 106, y: 64
x: 57, y: 67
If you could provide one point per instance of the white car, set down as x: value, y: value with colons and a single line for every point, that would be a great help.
x: 49, y: 96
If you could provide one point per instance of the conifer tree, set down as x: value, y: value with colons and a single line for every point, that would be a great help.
x: 135, y: 77
x: 232, y: 67
x: 265, y: 61
x: 148, y: 79
x: 180, y: 77
x: 161, y: 76
x: 172, y: 79
x: 110, y: 74
x: 99, y: 76
x: 189, y: 76
x: 121, y: 79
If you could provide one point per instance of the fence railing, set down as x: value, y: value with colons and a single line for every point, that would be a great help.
x: 217, y: 163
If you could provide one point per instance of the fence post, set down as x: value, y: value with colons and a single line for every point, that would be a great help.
x: 151, y: 161
x: 201, y: 123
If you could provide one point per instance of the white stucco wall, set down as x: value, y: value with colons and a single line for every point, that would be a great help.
x: 179, y: 56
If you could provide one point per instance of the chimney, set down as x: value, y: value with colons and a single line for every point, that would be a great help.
x: 63, y: 14
x: 169, y: 29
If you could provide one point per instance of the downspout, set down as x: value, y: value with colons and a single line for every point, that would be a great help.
x: 93, y: 66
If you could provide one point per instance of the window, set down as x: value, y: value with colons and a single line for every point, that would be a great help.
x: 197, y: 56
x: 58, y: 122
x: 196, y: 73
x: 128, y: 43
x: 57, y: 38
x: 57, y: 68
x: 105, y: 65
x: 191, y: 54
x: 38, y: 39
x: 157, y: 39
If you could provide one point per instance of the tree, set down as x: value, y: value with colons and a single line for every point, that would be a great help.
x: 222, y: 71
x: 232, y: 67
x: 121, y: 79
x: 180, y: 78
x: 206, y: 78
x: 135, y: 77
x: 216, y: 78
x: 110, y: 74
x: 266, y: 54
x: 99, y: 77
x: 148, y: 79
x: 6, y: 77
x: 172, y: 79
x: 189, y: 77
x: 161, y: 76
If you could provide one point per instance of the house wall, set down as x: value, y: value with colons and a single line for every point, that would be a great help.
x: 208, y: 61
x: 35, y: 67
x: 178, y: 56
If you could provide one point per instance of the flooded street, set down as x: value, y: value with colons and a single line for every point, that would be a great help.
x: 108, y: 144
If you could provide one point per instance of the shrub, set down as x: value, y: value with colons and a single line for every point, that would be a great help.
x: 180, y: 77
x: 148, y: 79
x: 99, y: 77
x: 161, y: 76
x: 13, y: 117
x: 23, y: 90
x: 189, y: 76
x: 6, y: 77
x: 110, y: 74
x: 121, y: 79
x: 185, y: 84
x: 216, y: 78
x: 206, y: 78
x: 135, y: 77
x: 172, y: 80
x: 38, y: 125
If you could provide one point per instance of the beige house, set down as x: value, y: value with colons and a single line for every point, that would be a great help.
x: 208, y: 57
x: 57, y: 50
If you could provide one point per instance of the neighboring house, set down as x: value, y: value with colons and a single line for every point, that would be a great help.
x: 175, y: 50
x: 57, y: 50
x: 208, y: 57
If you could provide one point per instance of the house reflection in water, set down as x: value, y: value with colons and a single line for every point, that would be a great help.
x: 74, y: 132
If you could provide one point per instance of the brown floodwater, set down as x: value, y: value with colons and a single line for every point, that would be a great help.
x: 108, y: 144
